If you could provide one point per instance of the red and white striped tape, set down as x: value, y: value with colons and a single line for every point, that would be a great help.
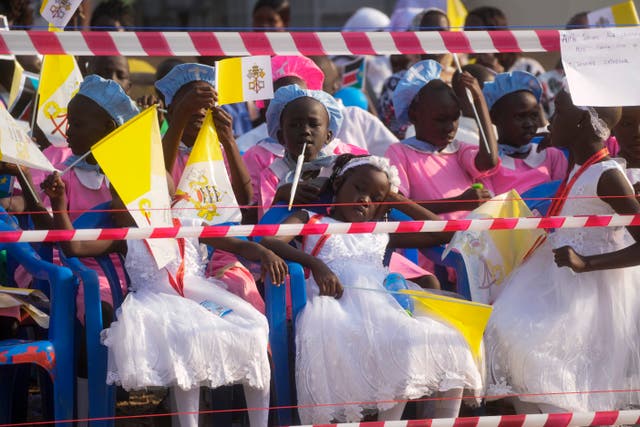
x: 203, y: 43
x: 333, y: 228
x: 607, y: 418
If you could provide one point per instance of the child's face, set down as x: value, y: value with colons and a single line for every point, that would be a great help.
x: 115, y: 68
x: 627, y: 132
x: 359, y: 194
x: 564, y: 123
x: 88, y: 124
x: 304, y: 121
x: 192, y: 128
x: 516, y: 117
x: 267, y: 17
x: 435, y: 116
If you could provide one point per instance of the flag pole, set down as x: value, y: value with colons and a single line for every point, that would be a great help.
x: 26, y: 182
x: 473, y: 106
x: 296, y: 176
x: 75, y: 162
x: 34, y: 114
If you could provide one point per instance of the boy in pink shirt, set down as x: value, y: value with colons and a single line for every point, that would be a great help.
x: 513, y: 99
x: 435, y: 169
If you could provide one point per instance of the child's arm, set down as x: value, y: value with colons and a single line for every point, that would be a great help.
x: 196, y: 98
x: 418, y: 213
x: 55, y: 189
x: 467, y: 201
x: 614, y: 190
x: 327, y: 281
x: 240, y: 178
x: 484, y: 160
x: 41, y: 217
x: 270, y: 263
x: 306, y: 193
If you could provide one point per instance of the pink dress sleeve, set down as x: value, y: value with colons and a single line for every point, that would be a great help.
x: 268, y: 186
x: 397, y: 158
x: 257, y: 160
x: 467, y: 157
x: 558, y: 163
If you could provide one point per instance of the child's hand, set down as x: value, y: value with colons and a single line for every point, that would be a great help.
x: 567, y: 257
x: 305, y: 194
x: 472, y: 198
x: 147, y: 101
x: 327, y: 281
x: 224, y: 125
x: 467, y: 81
x: 197, y: 98
x: 274, y: 266
x: 54, y: 188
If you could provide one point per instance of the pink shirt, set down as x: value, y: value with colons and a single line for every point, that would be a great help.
x: 258, y: 158
x: 522, y: 174
x: 269, y: 179
x: 432, y: 175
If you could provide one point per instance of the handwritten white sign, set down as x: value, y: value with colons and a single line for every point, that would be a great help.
x: 602, y: 66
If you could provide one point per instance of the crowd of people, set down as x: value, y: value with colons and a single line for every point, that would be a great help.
x: 565, y: 322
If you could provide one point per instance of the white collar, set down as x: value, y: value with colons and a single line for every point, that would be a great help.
x: 533, y: 159
x: 425, y: 147
x: 92, y: 180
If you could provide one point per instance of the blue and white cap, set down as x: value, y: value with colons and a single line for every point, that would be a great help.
x: 506, y: 83
x: 287, y: 94
x: 182, y: 74
x: 408, y: 87
x: 110, y: 96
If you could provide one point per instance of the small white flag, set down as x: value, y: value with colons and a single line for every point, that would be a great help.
x: 59, y: 12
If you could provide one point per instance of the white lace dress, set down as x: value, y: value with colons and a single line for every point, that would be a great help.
x: 364, y: 347
x: 554, y: 331
x: 164, y: 339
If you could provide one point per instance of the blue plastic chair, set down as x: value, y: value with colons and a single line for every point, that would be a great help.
x: 102, y: 397
x: 56, y: 354
x: 539, y: 197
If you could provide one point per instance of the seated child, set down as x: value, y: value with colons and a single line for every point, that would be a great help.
x: 177, y: 328
x: 513, y: 100
x: 435, y: 169
x: 354, y: 341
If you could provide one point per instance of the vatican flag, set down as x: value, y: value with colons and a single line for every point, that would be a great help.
x: 619, y: 14
x: 59, y: 12
x: 60, y: 80
x: 132, y: 158
x: 467, y: 317
x: 17, y: 147
x: 244, y: 79
x: 204, y: 191
x: 490, y: 256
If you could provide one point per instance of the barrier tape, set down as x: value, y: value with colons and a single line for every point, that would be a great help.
x: 605, y: 418
x: 333, y: 228
x: 215, y: 43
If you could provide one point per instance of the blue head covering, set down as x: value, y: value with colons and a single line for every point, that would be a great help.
x: 408, y: 87
x: 287, y: 94
x: 182, y: 74
x: 110, y: 96
x: 506, y: 83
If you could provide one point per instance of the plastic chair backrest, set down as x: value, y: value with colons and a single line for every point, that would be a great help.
x: 539, y: 197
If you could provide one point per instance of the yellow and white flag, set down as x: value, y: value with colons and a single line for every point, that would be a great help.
x: 60, y: 80
x: 244, y: 79
x: 619, y: 14
x: 139, y: 177
x: 59, y: 12
x: 17, y: 147
x: 490, y: 256
x: 468, y: 317
x: 204, y: 191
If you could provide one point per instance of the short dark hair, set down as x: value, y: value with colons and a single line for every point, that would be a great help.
x: 117, y: 10
x: 281, y: 7
x: 491, y: 17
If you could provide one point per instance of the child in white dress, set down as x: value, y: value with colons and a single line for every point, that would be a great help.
x: 556, y: 331
x: 356, y: 343
x: 177, y: 328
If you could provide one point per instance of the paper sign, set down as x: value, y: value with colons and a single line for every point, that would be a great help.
x: 602, y: 66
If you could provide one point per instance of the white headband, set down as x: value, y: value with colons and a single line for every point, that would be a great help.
x: 379, y: 163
